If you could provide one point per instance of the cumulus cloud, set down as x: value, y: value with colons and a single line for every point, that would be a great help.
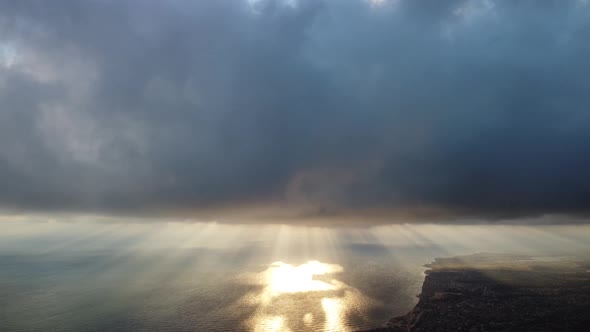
x: 298, y: 109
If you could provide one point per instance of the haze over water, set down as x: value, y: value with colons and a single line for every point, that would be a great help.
x: 172, y: 276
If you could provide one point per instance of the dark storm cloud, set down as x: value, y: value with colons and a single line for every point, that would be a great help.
x: 303, y: 108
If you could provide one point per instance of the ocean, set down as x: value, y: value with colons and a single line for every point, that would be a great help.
x: 175, y: 276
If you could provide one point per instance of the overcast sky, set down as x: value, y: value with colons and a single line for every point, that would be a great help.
x: 296, y: 108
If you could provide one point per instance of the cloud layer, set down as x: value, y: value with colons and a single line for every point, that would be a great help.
x: 299, y: 108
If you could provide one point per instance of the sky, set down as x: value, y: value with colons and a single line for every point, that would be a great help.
x: 266, y: 110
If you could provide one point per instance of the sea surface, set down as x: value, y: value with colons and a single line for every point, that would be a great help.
x: 174, y: 276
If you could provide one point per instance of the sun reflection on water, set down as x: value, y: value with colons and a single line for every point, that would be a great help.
x: 304, y: 297
x: 286, y: 278
x: 272, y: 323
x: 333, y: 308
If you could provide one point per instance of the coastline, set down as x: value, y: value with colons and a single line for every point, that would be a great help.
x: 495, y: 292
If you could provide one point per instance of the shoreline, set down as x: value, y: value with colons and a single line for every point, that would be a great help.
x: 495, y: 292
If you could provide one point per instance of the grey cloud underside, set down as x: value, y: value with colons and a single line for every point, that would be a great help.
x: 470, y: 108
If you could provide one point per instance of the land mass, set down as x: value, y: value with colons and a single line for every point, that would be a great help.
x: 491, y: 292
